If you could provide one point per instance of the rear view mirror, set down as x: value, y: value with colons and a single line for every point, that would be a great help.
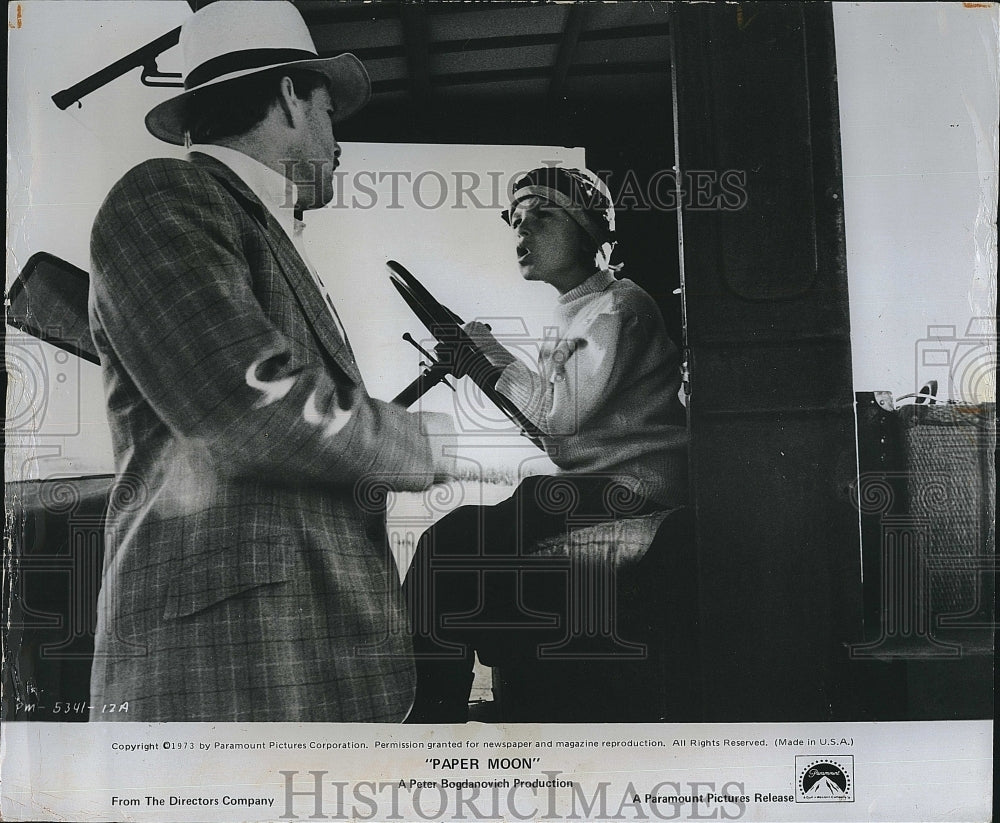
x: 49, y: 301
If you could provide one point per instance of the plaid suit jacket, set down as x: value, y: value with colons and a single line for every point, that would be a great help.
x: 246, y: 573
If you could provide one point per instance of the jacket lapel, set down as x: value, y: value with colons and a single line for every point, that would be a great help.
x: 291, y: 265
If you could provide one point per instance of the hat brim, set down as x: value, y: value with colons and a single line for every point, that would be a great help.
x: 350, y: 89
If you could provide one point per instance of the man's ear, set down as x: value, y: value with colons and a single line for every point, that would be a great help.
x: 289, y: 104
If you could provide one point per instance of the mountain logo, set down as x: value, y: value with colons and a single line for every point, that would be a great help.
x: 824, y: 779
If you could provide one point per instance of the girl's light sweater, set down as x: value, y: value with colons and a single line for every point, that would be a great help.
x: 605, y: 393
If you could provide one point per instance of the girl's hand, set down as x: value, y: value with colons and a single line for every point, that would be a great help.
x: 482, y: 336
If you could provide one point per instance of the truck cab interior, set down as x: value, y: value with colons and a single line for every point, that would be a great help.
x: 831, y: 568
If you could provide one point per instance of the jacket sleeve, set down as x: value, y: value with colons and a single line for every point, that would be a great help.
x: 576, y: 379
x: 172, y: 294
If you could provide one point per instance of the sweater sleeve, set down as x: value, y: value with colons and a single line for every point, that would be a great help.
x: 576, y: 379
x: 529, y: 391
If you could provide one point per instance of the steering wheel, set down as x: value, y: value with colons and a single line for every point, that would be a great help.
x: 457, y: 352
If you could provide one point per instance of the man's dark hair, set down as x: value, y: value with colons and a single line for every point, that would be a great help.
x: 232, y: 108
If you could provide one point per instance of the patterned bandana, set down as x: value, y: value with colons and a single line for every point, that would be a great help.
x: 581, y: 194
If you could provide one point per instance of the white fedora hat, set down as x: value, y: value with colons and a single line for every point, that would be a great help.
x: 228, y: 39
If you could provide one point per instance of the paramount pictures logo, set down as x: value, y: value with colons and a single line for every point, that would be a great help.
x: 824, y: 779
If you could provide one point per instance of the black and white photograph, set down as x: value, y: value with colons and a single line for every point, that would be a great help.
x: 440, y: 410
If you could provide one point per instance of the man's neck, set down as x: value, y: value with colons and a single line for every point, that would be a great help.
x: 270, y: 187
x: 252, y: 145
x: 276, y: 155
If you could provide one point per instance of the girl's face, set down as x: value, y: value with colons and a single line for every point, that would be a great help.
x: 551, y: 246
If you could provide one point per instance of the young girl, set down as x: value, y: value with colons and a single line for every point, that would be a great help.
x: 604, y: 396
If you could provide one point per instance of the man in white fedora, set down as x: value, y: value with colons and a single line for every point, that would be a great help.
x: 246, y: 575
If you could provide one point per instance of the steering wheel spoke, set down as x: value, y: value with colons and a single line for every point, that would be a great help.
x: 455, y: 350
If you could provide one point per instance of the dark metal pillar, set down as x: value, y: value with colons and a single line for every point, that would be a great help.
x: 771, y: 414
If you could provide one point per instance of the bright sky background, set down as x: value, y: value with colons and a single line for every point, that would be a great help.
x: 919, y: 126
x: 918, y: 92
